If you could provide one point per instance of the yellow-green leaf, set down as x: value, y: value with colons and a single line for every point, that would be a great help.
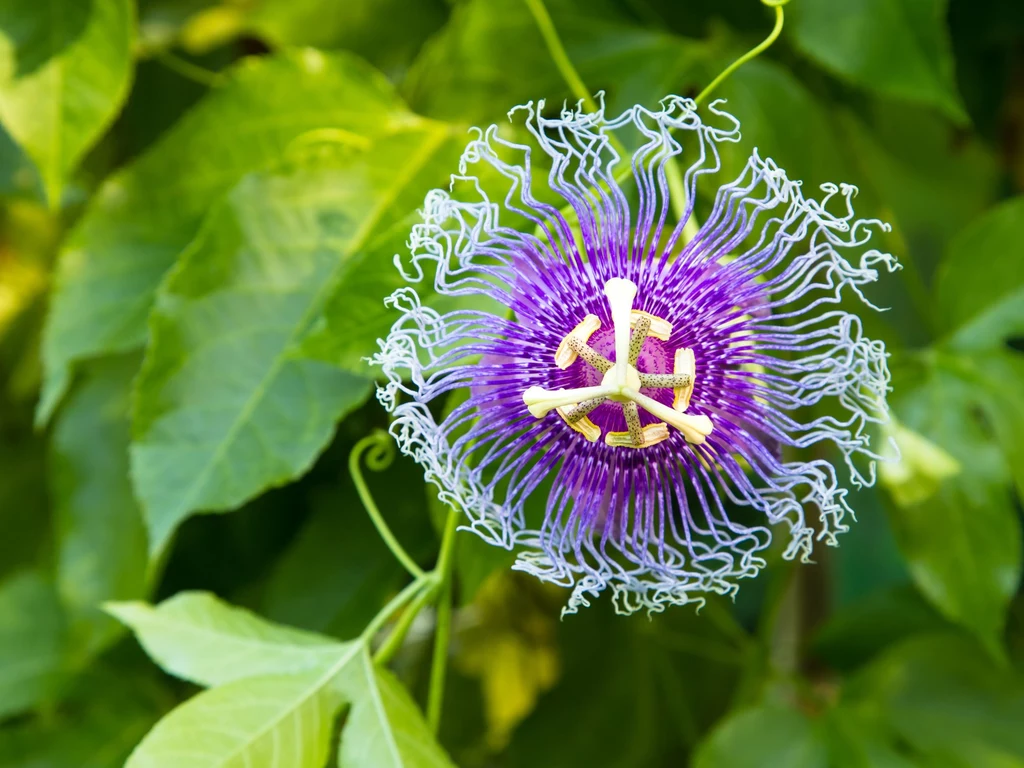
x: 65, y: 67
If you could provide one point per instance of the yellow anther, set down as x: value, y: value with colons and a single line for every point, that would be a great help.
x: 685, y: 365
x: 660, y: 329
x: 652, y: 435
x: 583, y: 425
x: 565, y: 355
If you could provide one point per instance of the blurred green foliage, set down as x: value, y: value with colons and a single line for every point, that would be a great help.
x: 199, y: 202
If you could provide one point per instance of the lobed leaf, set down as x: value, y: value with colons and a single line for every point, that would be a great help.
x: 277, y: 721
x: 197, y: 637
x: 384, y: 728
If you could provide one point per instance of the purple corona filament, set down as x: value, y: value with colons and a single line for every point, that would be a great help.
x: 618, y: 390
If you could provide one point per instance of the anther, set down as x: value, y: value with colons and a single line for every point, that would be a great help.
x: 581, y: 424
x: 565, y: 355
x: 659, y: 328
x: 685, y: 365
x: 652, y: 435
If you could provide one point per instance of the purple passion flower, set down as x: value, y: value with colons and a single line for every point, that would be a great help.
x: 628, y: 386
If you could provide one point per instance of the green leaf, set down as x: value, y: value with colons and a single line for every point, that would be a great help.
x: 384, y: 728
x: 491, y: 57
x: 197, y: 637
x: 935, y: 178
x: 860, y: 631
x: 947, y: 700
x: 106, y: 712
x: 763, y: 736
x: 962, y: 544
x: 274, y: 720
x: 337, y: 572
x: 227, y: 404
x: 897, y: 48
x: 101, y: 539
x: 144, y: 215
x: 638, y: 696
x: 279, y: 688
x: 980, y: 284
x: 365, y: 27
x: 32, y: 632
x: 65, y: 67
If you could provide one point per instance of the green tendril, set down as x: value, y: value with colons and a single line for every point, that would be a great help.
x: 752, y: 53
x: 381, y: 454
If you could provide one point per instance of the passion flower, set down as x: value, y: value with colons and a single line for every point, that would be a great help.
x: 642, y: 380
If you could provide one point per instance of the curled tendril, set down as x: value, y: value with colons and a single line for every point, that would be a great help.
x: 380, y: 452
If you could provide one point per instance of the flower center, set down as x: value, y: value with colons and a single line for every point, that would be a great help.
x: 621, y: 381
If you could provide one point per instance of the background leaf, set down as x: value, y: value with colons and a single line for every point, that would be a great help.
x: 962, y: 544
x: 101, y: 540
x: 984, y: 307
x: 939, y: 694
x: 106, y: 713
x: 899, y: 48
x: 65, y: 68
x: 32, y: 633
x: 764, y: 736
x: 464, y: 72
x: 145, y: 215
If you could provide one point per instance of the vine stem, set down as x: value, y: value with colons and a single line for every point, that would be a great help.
x: 190, y: 71
x: 392, y: 607
x: 752, y: 53
x: 673, y: 176
x: 381, y: 456
x: 425, y: 587
x: 439, y: 662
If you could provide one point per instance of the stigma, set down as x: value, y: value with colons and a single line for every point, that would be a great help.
x: 621, y: 381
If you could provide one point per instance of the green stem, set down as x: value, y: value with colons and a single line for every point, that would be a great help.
x: 190, y: 71
x: 752, y: 53
x: 380, y: 458
x: 390, y: 647
x: 558, y: 54
x: 392, y: 607
x: 438, y: 665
